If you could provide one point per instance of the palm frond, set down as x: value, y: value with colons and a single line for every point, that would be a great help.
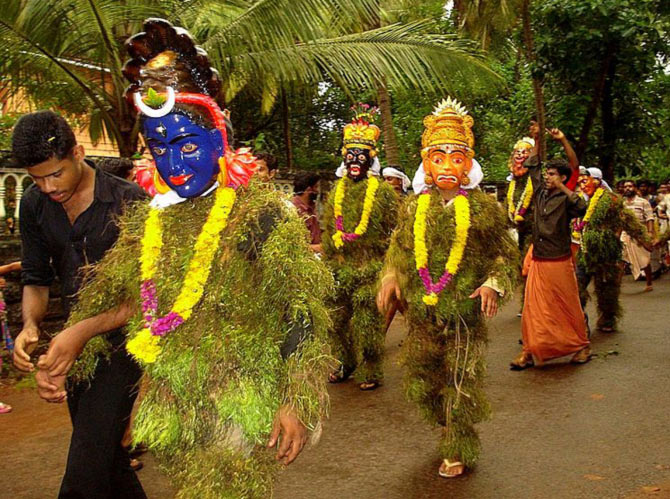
x: 405, y: 55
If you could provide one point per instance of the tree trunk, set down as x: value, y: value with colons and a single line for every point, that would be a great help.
x: 287, y: 130
x: 596, y: 97
x: 608, y: 154
x: 537, y: 81
x: 388, y: 132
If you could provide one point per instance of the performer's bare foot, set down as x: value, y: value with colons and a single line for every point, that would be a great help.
x: 523, y: 361
x: 648, y: 288
x: 582, y: 357
x: 451, y: 469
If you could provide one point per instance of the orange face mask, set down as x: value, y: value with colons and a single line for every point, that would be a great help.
x: 588, y: 184
x: 519, y: 157
x: 447, y: 168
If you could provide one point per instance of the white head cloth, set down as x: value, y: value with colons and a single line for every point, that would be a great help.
x: 476, y: 176
x: 389, y: 171
x: 597, y: 173
x: 375, y: 169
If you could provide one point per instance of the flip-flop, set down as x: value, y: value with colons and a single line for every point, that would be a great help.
x: 448, y: 464
x: 340, y: 375
x: 367, y: 386
x: 4, y: 408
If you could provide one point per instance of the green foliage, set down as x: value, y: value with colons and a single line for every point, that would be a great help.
x: 7, y: 121
x: 359, y: 330
x: 444, y: 351
x: 220, y: 377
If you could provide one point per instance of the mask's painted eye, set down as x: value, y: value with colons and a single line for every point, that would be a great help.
x: 350, y: 157
x: 457, y: 160
x: 158, y: 151
x: 189, y: 147
x: 361, y: 158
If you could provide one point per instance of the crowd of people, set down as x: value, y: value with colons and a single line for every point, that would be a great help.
x: 237, y: 305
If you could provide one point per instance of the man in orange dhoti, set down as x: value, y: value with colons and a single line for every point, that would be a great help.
x: 552, y: 323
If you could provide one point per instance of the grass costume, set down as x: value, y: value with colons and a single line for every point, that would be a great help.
x: 359, y: 217
x: 465, y: 241
x: 599, y: 258
x: 230, y: 323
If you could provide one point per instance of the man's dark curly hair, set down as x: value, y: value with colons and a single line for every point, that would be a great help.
x: 561, y: 166
x: 40, y: 136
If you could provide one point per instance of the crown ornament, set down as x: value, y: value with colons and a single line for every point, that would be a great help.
x: 524, y: 143
x: 362, y: 132
x: 449, y: 125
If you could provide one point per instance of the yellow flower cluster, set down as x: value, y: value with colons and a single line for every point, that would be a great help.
x: 524, y: 202
x: 368, y: 203
x: 152, y: 242
x: 589, y: 212
x: 420, y: 250
x: 146, y: 346
x: 462, y: 206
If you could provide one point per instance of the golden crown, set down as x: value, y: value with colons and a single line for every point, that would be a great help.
x: 361, y: 132
x: 449, y: 124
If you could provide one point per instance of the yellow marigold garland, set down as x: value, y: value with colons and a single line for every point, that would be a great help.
x: 462, y: 218
x: 145, y: 346
x: 516, y: 213
x: 579, y: 227
x: 340, y: 236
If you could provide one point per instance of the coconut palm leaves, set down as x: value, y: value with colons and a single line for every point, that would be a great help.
x: 70, y: 54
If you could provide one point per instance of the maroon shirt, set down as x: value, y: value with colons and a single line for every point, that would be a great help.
x: 309, y: 214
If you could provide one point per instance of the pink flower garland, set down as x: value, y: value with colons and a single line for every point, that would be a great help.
x: 446, y: 277
x: 159, y: 326
x: 346, y: 236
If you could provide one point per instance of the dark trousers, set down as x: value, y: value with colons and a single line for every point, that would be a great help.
x: 97, y: 464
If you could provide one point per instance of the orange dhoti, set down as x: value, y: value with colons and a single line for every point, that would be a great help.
x: 552, y: 324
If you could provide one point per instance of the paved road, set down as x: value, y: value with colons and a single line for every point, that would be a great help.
x: 595, y: 431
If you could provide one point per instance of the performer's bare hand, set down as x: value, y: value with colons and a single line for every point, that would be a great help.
x: 388, y: 292
x: 24, y: 345
x: 489, y: 298
x: 50, y: 388
x: 63, y: 351
x: 293, y: 435
x: 556, y: 134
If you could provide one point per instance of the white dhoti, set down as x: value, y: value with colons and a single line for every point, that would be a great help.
x: 635, y: 255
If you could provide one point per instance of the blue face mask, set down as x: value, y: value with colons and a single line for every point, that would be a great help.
x: 186, y: 154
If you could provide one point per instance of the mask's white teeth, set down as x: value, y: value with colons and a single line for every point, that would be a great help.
x: 150, y: 111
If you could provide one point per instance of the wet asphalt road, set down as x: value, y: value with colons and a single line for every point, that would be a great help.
x: 560, y: 431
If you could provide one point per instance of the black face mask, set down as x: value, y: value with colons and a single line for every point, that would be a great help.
x: 358, y: 163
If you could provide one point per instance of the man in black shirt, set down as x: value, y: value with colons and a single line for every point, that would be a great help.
x: 68, y: 221
x: 552, y: 322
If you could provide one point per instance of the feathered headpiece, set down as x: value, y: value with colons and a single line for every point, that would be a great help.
x: 362, y: 132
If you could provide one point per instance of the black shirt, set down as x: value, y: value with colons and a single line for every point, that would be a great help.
x: 51, y: 246
x: 552, y: 213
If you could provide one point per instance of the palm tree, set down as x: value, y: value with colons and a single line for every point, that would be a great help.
x: 490, y: 22
x: 69, y: 54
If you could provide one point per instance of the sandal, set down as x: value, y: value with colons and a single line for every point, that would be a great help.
x: 4, y: 408
x: 447, y: 466
x: 367, y: 386
x: 340, y: 375
x: 523, y: 361
x: 136, y: 464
